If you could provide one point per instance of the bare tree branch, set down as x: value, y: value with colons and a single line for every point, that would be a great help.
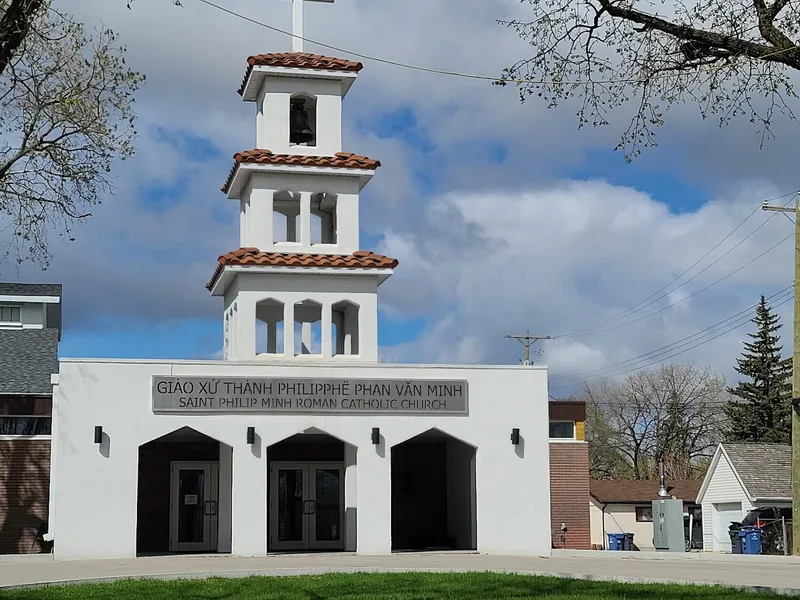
x: 669, y: 413
x: 733, y: 59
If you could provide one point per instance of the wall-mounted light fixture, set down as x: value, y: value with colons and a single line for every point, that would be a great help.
x: 251, y: 435
x: 98, y: 434
x: 376, y: 435
x: 515, y: 436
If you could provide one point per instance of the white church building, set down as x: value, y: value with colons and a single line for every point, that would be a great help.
x: 299, y: 439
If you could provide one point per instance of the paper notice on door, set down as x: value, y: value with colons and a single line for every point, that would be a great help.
x: 190, y: 499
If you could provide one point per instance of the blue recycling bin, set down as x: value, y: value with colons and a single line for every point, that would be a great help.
x: 616, y: 541
x: 751, y: 540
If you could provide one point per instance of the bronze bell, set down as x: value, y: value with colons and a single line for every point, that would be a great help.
x: 299, y: 127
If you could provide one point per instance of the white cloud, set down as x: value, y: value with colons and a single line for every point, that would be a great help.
x: 504, y: 248
x: 564, y: 258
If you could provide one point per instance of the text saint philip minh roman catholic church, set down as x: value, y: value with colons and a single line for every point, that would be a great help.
x: 298, y: 439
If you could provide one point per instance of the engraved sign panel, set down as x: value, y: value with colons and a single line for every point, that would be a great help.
x: 276, y: 395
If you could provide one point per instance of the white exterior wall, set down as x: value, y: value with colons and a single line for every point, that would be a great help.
x: 33, y: 315
x: 250, y: 288
x: 723, y: 488
x: 256, y: 222
x: 272, y: 115
x: 598, y: 534
x: 95, y: 487
x: 619, y: 518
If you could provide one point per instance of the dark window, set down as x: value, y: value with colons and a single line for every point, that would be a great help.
x: 562, y: 429
x: 644, y: 514
x: 23, y: 415
x: 10, y: 314
x: 24, y: 425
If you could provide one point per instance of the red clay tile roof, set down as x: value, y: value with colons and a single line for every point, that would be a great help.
x: 612, y: 491
x: 340, y: 160
x: 299, y: 60
x: 360, y: 259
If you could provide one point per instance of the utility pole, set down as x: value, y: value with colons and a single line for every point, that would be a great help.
x: 795, y: 376
x: 527, y: 341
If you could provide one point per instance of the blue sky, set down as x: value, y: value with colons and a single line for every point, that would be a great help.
x: 504, y: 217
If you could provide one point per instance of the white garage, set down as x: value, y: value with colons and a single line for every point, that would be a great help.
x: 742, y: 477
x: 724, y: 513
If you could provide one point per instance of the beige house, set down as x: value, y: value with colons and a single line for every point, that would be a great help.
x: 626, y: 507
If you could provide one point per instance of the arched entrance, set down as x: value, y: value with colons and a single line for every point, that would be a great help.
x: 434, y: 493
x: 184, y: 494
x: 311, y: 483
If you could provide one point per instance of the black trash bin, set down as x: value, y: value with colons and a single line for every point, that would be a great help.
x: 736, y: 541
x: 627, y: 544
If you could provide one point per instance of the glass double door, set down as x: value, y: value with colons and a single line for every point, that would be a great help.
x: 306, y: 506
x: 193, y: 506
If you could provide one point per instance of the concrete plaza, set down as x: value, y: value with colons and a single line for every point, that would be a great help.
x: 780, y: 574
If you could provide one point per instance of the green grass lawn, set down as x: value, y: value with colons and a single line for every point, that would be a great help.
x: 390, y: 586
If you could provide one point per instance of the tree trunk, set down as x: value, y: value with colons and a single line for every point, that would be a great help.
x: 14, y: 26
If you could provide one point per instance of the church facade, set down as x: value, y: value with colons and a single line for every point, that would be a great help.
x: 299, y: 439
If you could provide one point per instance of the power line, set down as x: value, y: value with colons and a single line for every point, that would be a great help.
x: 663, y: 358
x: 676, y: 344
x: 693, y: 346
x: 701, y: 290
x: 637, y: 307
x: 660, y: 75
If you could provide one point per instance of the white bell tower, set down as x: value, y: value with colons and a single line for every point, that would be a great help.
x: 298, y: 287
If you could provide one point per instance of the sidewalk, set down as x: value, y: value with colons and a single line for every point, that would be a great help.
x: 774, y: 575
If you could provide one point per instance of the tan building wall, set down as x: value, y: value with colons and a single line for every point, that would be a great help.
x: 619, y: 518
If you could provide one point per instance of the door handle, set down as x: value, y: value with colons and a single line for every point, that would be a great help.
x: 206, y: 509
x: 213, y: 508
x: 313, y: 504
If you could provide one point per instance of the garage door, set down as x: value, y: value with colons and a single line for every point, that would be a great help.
x: 725, y: 513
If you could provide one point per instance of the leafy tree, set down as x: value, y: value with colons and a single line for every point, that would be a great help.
x: 733, y: 58
x: 762, y: 412
x: 65, y: 117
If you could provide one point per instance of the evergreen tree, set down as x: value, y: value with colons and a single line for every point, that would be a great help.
x: 760, y: 410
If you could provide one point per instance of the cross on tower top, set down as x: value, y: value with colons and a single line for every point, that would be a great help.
x: 297, y: 23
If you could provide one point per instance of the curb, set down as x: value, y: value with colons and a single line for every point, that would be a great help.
x: 713, y: 557
x: 288, y: 572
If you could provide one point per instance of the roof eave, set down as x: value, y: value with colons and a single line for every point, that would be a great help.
x: 229, y: 272
x: 258, y: 73
x: 30, y: 299
x: 244, y: 170
x: 49, y: 392
x: 764, y: 500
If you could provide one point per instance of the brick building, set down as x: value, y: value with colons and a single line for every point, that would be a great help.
x: 569, y: 475
x: 30, y: 329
